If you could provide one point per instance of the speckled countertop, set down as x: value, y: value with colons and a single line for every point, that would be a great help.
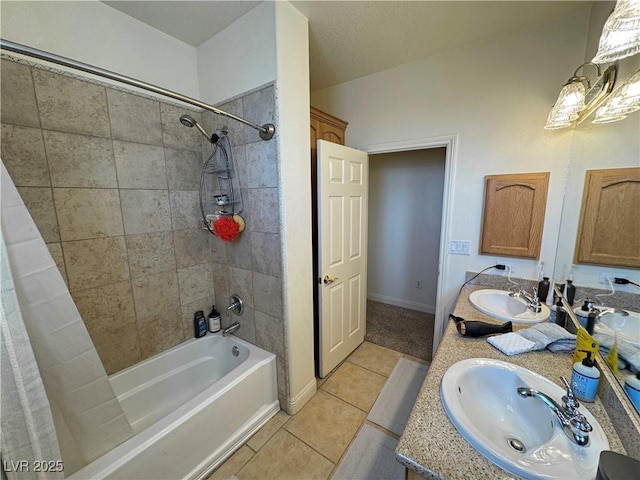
x: 431, y: 445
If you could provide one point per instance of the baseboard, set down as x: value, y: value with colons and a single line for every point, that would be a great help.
x: 399, y: 302
x: 296, y: 403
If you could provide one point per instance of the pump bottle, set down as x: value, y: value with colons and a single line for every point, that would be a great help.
x: 585, y: 378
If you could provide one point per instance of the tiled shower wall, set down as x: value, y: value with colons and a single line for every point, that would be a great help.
x: 111, y: 179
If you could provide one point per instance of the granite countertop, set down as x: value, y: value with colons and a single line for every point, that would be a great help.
x: 431, y: 445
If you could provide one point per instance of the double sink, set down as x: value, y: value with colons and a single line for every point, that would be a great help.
x: 522, y: 434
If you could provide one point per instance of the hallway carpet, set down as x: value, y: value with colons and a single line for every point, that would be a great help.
x: 406, y: 331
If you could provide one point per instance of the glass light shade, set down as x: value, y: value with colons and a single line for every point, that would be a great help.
x: 629, y: 92
x: 604, y: 115
x: 621, y: 33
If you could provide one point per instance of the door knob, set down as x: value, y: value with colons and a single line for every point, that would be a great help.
x: 328, y: 281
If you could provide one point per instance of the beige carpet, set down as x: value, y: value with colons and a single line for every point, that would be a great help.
x: 406, y: 331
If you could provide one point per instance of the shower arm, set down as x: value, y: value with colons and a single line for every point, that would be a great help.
x: 266, y: 131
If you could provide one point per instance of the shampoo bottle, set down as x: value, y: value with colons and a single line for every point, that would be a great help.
x: 199, y: 324
x: 585, y: 378
x: 632, y: 387
x: 214, y: 320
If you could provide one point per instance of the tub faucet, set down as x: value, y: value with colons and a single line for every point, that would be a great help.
x: 230, y: 329
x: 533, y: 301
x: 574, y: 424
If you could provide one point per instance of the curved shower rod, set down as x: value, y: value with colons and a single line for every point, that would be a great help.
x: 265, y: 131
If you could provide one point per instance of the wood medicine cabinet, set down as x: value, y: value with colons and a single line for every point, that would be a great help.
x: 609, y: 229
x: 513, y: 218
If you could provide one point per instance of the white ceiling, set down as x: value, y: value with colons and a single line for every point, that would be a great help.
x: 351, y: 39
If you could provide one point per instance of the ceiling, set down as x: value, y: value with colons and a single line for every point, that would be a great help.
x: 351, y: 39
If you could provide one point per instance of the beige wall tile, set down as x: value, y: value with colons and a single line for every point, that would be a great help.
x: 55, y: 249
x: 195, y: 282
x: 109, y: 316
x: 184, y: 168
x: 140, y: 166
x: 192, y: 246
x: 270, y: 333
x: 85, y: 213
x: 155, y: 295
x: 39, y: 202
x: 150, y: 253
x: 185, y: 209
x: 134, y: 118
x: 240, y: 283
x: 160, y: 332
x: 267, y: 294
x: 18, y: 96
x: 71, y: 105
x: 24, y: 156
x: 80, y: 160
x: 355, y: 385
x: 145, y: 211
x: 295, y: 461
x: 176, y: 135
x: 261, y: 205
x: 96, y: 262
x: 327, y: 424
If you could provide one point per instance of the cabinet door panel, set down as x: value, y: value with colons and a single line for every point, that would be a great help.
x: 514, y: 207
x: 609, y: 230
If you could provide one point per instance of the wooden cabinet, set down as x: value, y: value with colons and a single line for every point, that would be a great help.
x: 609, y: 229
x: 514, y: 207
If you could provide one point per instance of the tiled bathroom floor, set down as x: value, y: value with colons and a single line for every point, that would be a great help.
x: 311, y: 444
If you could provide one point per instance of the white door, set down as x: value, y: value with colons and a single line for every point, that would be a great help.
x: 343, y: 183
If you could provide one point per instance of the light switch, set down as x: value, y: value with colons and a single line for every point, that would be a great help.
x: 460, y: 247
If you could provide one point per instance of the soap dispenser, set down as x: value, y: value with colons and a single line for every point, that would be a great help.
x: 585, y: 378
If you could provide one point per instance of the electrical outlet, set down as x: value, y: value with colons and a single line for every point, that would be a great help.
x: 419, y: 284
x: 508, y: 266
x: 605, y: 275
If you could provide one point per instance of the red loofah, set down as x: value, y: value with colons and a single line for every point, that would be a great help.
x: 226, y: 228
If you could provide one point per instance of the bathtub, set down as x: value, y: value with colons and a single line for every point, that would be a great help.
x: 191, y: 407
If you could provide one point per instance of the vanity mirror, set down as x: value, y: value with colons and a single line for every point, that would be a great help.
x: 596, y: 147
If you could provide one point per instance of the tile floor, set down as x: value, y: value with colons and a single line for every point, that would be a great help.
x: 311, y: 444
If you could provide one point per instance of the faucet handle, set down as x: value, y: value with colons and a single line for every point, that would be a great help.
x: 571, y: 404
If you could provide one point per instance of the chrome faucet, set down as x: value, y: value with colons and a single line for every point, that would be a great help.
x: 601, y: 312
x: 533, y: 301
x: 574, y: 424
x: 230, y: 329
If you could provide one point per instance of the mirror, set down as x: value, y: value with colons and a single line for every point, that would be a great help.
x: 613, y: 145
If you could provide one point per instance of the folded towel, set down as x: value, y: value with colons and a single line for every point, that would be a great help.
x: 511, y: 343
x: 627, y: 352
x: 551, y: 336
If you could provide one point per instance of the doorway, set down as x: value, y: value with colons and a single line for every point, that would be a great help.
x: 405, y: 218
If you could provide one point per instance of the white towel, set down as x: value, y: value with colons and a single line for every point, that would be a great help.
x: 511, y: 343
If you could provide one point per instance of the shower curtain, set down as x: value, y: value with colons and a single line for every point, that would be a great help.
x: 86, y: 414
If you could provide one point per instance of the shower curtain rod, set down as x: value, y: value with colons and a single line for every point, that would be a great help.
x: 266, y: 131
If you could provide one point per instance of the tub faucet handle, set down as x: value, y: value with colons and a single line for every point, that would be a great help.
x: 236, y: 305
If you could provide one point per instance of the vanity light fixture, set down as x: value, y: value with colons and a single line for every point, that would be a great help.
x: 621, y: 33
x: 623, y: 101
x: 578, y: 99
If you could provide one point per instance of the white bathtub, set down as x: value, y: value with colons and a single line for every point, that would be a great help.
x: 191, y: 407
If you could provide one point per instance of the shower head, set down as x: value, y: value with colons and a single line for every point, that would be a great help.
x: 189, y: 121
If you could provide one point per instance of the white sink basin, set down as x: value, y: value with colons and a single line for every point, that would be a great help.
x: 498, y: 304
x: 628, y: 327
x: 519, y: 434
